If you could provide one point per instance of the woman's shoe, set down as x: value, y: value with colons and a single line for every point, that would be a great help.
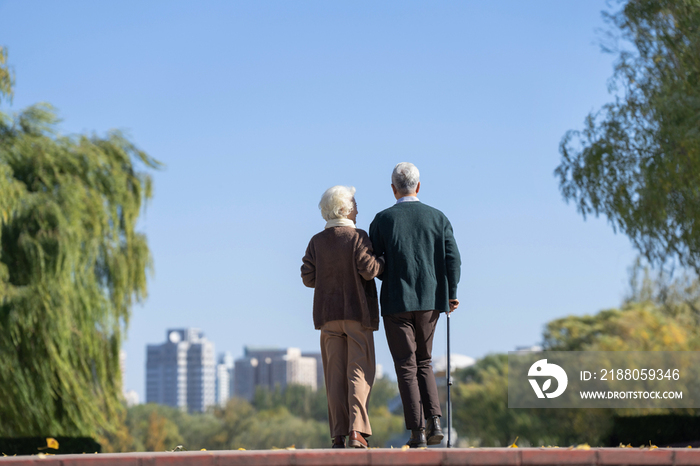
x: 357, y: 440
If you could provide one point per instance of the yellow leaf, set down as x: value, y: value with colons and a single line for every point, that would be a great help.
x: 405, y: 447
x: 583, y: 446
x: 203, y: 449
x: 52, y: 443
x: 513, y: 445
x: 242, y: 449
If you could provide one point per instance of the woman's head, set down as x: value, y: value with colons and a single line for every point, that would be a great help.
x: 337, y: 202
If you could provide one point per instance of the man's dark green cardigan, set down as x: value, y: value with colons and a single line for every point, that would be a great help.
x: 422, y: 265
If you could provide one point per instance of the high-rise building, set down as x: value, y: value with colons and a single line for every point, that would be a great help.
x: 224, y: 378
x: 320, y: 381
x: 272, y: 367
x: 181, y: 372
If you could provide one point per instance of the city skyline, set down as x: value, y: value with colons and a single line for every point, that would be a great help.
x: 186, y: 371
x: 225, y: 365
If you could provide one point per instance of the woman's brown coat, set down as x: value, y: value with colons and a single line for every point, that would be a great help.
x: 340, y: 265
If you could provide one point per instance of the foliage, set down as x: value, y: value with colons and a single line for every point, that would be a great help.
x: 237, y: 417
x: 636, y: 327
x: 154, y: 428
x: 383, y: 390
x: 386, y: 426
x: 266, y: 423
x: 676, y: 295
x: 480, y: 404
x: 237, y: 425
x: 481, y: 413
x: 637, y: 161
x: 306, y: 404
x: 659, y: 314
x: 300, y: 400
x: 71, y: 266
x: 7, y: 78
x: 279, y: 428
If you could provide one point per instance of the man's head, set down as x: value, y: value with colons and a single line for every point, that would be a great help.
x: 405, y: 180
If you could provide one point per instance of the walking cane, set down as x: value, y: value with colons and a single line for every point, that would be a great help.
x: 449, y: 384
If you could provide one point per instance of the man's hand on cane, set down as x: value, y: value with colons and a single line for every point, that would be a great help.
x: 454, y: 303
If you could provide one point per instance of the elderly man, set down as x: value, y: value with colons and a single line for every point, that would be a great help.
x: 421, y: 272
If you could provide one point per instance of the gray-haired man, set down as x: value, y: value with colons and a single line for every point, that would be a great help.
x: 421, y: 272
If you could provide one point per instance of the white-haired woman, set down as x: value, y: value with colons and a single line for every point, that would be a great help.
x: 340, y: 266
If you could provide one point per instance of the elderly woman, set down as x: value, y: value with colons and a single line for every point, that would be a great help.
x: 340, y: 265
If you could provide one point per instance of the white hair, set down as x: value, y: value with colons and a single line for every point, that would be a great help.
x: 405, y: 178
x: 337, y: 202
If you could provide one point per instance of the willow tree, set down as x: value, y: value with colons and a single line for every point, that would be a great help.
x: 637, y: 161
x: 72, y: 264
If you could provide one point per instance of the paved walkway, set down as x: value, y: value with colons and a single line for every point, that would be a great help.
x: 377, y: 457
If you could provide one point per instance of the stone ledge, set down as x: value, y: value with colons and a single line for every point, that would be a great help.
x: 376, y: 457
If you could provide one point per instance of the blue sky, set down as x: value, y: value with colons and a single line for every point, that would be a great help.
x: 256, y: 108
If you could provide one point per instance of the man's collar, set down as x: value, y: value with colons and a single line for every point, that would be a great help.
x: 408, y: 199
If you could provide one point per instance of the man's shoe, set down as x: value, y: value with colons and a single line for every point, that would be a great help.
x: 356, y: 440
x: 417, y: 439
x: 339, y: 441
x: 434, y: 433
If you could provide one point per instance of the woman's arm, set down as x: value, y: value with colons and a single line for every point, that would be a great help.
x: 308, y: 268
x: 368, y: 265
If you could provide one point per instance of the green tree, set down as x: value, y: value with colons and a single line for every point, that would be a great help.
x: 637, y: 161
x: 676, y: 295
x: 238, y: 417
x: 71, y: 266
x: 383, y: 390
x: 7, y: 78
x: 300, y: 400
x: 663, y: 319
x: 278, y: 428
x: 482, y: 415
x: 480, y: 407
x: 153, y: 427
x: 635, y: 327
